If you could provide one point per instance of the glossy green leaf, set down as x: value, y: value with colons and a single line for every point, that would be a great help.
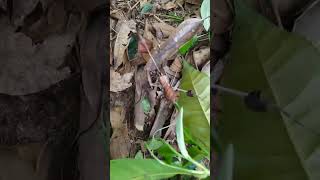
x: 287, y: 67
x: 205, y: 13
x: 141, y: 169
x: 133, y: 47
x: 196, y: 109
x: 188, y: 45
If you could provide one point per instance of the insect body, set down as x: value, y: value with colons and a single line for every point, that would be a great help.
x: 169, y: 93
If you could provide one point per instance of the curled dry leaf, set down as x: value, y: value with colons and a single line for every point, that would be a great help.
x: 120, y: 144
x: 140, y: 92
x: 195, y: 2
x: 118, y: 14
x: 119, y: 141
x: 201, y: 56
x: 169, y: 5
x: 119, y: 82
x: 176, y: 66
x: 123, y: 28
x: 164, y: 29
x: 117, y: 116
x: 144, y: 45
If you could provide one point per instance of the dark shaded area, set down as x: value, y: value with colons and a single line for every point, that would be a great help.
x: 36, y: 117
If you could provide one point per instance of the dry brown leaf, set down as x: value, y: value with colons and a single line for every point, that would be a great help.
x: 139, y: 116
x: 176, y: 66
x: 118, y: 14
x: 165, y: 29
x: 117, y: 116
x: 144, y: 45
x: 169, y: 5
x: 148, y: 35
x: 195, y: 2
x: 119, y: 82
x: 26, y: 75
x: 120, y: 144
x: 123, y: 28
x: 201, y: 56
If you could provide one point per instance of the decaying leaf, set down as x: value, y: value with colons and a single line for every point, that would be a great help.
x: 176, y: 66
x: 140, y: 94
x: 169, y: 5
x: 165, y: 29
x: 201, y: 56
x: 144, y: 45
x: 123, y: 28
x: 117, y: 115
x: 23, y: 74
x: 119, y: 82
x: 119, y: 144
x: 118, y: 14
x: 196, y: 2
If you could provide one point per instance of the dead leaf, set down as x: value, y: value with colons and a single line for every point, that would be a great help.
x: 117, y: 116
x: 144, y: 45
x: 169, y: 5
x: 119, y: 82
x: 140, y: 93
x: 123, y: 28
x: 195, y: 2
x: 120, y: 144
x: 176, y: 66
x: 201, y: 56
x: 24, y: 74
x: 118, y: 14
x: 165, y: 29
x: 148, y: 35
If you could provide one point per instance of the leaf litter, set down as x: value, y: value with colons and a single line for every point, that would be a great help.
x: 162, y: 27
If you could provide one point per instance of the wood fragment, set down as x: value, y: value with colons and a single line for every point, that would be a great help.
x: 163, y: 114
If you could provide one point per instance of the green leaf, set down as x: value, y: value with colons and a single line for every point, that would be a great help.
x: 139, y: 155
x: 196, y: 109
x: 205, y: 14
x: 188, y: 45
x: 133, y: 47
x: 147, y: 7
x: 180, y: 136
x: 287, y: 67
x: 141, y: 169
x: 155, y: 144
x: 226, y: 171
x: 146, y: 106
